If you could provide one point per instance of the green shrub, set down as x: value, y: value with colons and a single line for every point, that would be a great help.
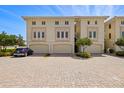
x: 78, y: 54
x: 46, y: 55
x: 1, y: 54
x: 84, y: 54
x: 7, y: 50
x: 105, y: 50
x: 111, y: 50
x: 120, y: 53
x: 5, y: 54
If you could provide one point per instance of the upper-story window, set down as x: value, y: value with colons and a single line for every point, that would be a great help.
x: 109, y: 35
x: 96, y: 22
x: 62, y: 35
x: 122, y: 22
x: 43, y: 22
x: 39, y: 35
x: 66, y: 22
x: 66, y: 34
x: 56, y: 22
x: 58, y: 34
x: 88, y: 22
x: 122, y: 34
x: 92, y: 34
x: 34, y: 34
x: 43, y: 34
x: 33, y: 22
x: 109, y: 26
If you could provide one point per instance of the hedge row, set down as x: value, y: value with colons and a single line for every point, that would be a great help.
x: 6, y: 52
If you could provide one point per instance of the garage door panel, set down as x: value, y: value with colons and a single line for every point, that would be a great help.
x: 94, y: 49
x: 40, y: 48
x: 62, y: 49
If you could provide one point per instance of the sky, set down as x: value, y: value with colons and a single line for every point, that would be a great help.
x: 12, y: 23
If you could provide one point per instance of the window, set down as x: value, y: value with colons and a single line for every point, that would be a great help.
x: 58, y: 34
x: 38, y: 34
x: 66, y: 34
x: 66, y: 22
x: 56, y: 22
x: 88, y: 22
x: 92, y: 34
x: 122, y: 22
x: 33, y: 22
x: 109, y: 35
x: 109, y: 26
x: 34, y: 34
x: 42, y: 34
x: 43, y: 22
x: 122, y: 34
x: 96, y: 22
x: 62, y: 34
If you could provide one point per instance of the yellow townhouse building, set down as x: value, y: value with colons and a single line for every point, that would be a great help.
x: 50, y: 34
x: 114, y: 29
x: 56, y: 34
x: 93, y: 28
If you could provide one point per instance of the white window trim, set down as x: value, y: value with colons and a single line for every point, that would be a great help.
x: 57, y: 22
x: 92, y: 35
x: 122, y: 22
x: 60, y: 38
x: 43, y: 22
x: 66, y: 22
x: 121, y: 33
x: 37, y: 35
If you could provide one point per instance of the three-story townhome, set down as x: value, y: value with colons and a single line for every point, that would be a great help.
x: 114, y: 29
x: 57, y: 34
x: 93, y: 28
x: 50, y: 34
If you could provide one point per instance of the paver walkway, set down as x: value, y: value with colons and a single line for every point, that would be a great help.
x: 37, y: 71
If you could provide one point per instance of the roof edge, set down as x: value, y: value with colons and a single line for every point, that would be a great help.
x: 26, y: 17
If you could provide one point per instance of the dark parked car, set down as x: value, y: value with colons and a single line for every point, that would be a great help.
x: 23, y: 52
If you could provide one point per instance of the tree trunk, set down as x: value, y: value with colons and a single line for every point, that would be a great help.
x: 83, y: 49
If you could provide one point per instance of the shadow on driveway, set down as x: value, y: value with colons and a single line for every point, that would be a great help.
x: 69, y: 55
x: 114, y: 55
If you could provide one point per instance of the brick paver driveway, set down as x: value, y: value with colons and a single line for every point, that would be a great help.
x: 37, y: 71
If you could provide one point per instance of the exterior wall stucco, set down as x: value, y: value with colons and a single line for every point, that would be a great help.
x: 115, y: 31
x: 50, y: 33
x: 79, y: 29
x: 98, y: 43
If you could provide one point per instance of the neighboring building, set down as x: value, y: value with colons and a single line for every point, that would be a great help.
x: 50, y: 34
x: 93, y: 28
x: 57, y: 34
x: 114, y: 29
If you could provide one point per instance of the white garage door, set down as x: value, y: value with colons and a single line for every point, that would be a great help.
x: 62, y: 48
x: 40, y: 48
x: 94, y: 49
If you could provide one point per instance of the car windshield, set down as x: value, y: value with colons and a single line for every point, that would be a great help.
x: 21, y: 49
